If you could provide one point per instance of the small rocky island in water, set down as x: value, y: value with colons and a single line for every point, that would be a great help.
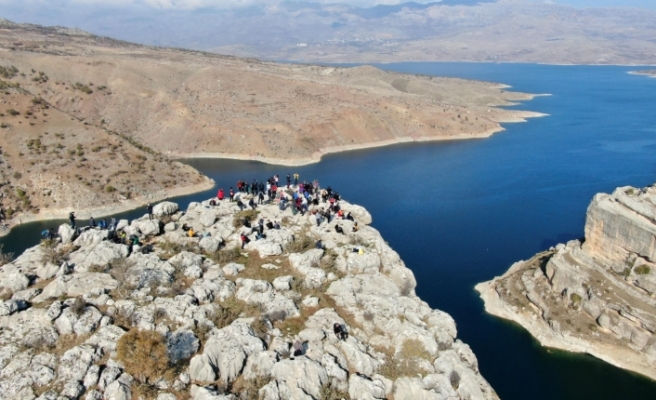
x: 595, y: 296
x: 171, y: 316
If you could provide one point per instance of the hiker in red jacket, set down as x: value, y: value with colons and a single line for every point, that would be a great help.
x: 220, y: 194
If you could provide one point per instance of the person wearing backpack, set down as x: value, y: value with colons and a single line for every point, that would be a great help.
x: 71, y: 217
x: 244, y: 240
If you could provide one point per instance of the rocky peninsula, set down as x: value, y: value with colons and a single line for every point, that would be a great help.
x: 648, y: 72
x: 174, y: 316
x: 595, y: 295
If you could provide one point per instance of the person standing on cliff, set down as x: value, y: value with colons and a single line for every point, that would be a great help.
x: 296, y: 178
x: 71, y: 217
x: 149, y: 208
x: 289, y: 181
x: 231, y: 194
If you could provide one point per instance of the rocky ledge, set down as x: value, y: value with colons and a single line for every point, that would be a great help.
x: 179, y: 317
x: 594, y: 296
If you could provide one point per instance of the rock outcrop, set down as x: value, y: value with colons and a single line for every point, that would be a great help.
x: 594, y: 296
x: 218, y: 321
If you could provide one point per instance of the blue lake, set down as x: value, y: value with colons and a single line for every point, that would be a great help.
x: 462, y: 212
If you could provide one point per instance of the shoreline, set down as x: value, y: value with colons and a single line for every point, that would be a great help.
x: 520, y: 116
x: 132, y: 204
x: 447, y: 61
x: 544, y: 335
x: 115, y: 208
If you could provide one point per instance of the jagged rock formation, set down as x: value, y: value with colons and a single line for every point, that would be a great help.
x: 595, y: 296
x: 198, y: 317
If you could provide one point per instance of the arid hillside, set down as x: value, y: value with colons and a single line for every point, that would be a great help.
x: 186, y: 103
x: 89, y: 121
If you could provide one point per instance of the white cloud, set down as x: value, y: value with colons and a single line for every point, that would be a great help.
x: 192, y: 4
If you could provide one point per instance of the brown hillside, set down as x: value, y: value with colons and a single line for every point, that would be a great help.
x: 98, y: 118
x: 192, y: 104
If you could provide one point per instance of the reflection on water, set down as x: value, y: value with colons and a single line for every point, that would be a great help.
x: 460, y: 213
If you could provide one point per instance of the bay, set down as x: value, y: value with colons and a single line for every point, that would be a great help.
x: 462, y: 212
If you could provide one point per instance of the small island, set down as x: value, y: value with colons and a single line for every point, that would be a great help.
x: 648, y: 72
x: 596, y: 295
x: 220, y: 302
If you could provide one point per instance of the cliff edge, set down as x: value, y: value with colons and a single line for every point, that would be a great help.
x: 173, y: 316
x: 594, y: 296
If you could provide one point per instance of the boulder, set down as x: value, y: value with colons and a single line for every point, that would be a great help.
x: 365, y: 388
x: 209, y: 244
x: 226, y: 352
x: 165, y: 208
x: 117, y: 391
x: 66, y: 233
x: 301, y: 378
x: 182, y: 344
x: 232, y: 269
x: 265, y: 247
x: 100, y: 254
x: 148, y: 227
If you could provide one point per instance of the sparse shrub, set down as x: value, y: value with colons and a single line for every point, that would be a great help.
x: 247, y: 389
x: 575, y: 298
x: 159, y: 314
x: 406, y: 288
x: 78, y: 306
x: 331, y: 392
x: 225, y: 256
x: 144, y: 354
x: 98, y: 268
x: 642, y: 270
x: 297, y: 285
x: 260, y: 328
x: 238, y: 220
x: 300, y: 244
x: 5, y: 258
x: 454, y: 378
x: 276, y: 316
x: 368, y: 316
x: 224, y: 315
x: 110, y: 189
x: 12, y: 112
x: 51, y: 253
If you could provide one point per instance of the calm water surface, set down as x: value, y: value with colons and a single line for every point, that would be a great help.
x: 462, y: 212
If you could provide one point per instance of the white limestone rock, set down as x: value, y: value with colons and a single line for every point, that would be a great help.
x: 165, y: 208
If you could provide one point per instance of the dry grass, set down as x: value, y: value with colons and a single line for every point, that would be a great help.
x: 78, y: 306
x: 5, y: 258
x: 331, y: 392
x: 302, y: 242
x: 52, y: 254
x: 226, y: 256
x: 67, y: 342
x: 171, y: 249
x: 406, y: 362
x: 238, y: 219
x: 247, y: 389
x: 144, y: 355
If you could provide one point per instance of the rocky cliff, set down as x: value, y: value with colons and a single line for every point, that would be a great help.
x: 594, y: 296
x: 180, y: 317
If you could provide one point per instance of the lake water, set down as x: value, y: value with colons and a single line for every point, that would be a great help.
x: 462, y: 212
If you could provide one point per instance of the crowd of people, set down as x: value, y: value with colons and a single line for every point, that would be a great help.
x: 298, y: 196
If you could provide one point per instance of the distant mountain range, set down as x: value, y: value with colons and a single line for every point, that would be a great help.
x: 450, y: 30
